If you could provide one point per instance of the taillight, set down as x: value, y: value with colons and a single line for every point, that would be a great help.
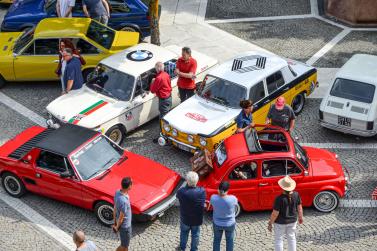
x: 370, y: 125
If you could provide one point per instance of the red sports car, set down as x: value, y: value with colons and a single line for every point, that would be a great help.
x: 253, y: 162
x: 84, y: 168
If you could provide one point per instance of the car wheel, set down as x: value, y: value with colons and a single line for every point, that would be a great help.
x: 238, y: 210
x: 298, y: 103
x: 86, y: 73
x: 13, y: 185
x: 116, y: 134
x: 2, y: 82
x: 104, y: 213
x: 326, y: 201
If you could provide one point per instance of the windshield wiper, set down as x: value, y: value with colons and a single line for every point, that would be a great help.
x: 103, y: 168
x: 220, y: 100
x: 103, y: 90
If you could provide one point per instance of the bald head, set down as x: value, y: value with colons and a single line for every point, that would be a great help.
x: 159, y: 67
x: 78, y: 237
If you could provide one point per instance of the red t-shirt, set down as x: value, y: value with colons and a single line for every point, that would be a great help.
x: 186, y: 67
x: 161, y: 85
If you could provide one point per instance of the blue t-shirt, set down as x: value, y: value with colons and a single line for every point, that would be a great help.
x: 73, y: 72
x: 243, y: 120
x: 191, y: 205
x: 224, y: 210
x: 95, y: 8
x: 122, y: 204
x: 89, y: 246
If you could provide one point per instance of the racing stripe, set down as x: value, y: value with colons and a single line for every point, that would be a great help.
x: 75, y: 120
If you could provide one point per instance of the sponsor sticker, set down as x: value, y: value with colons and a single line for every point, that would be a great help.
x: 196, y: 116
x: 139, y: 55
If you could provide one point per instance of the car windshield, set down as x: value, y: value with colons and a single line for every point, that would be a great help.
x: 101, y: 34
x: 221, y: 155
x: 24, y: 40
x: 112, y: 83
x: 222, y: 92
x: 353, y: 90
x: 96, y: 157
x: 50, y: 7
x: 301, y: 155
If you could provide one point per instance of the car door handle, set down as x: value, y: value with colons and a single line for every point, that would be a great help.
x: 38, y: 175
x: 263, y: 184
x: 56, y: 61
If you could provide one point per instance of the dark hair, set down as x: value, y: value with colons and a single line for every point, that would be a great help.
x: 224, y: 186
x: 246, y: 103
x: 126, y: 182
x: 186, y: 50
x: 68, y: 43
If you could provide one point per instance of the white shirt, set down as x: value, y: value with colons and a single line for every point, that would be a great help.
x: 64, y: 5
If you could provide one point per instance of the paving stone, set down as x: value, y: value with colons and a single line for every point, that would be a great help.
x: 224, y: 9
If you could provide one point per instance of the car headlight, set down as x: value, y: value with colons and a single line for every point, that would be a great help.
x: 167, y: 127
x: 203, y: 141
x: 174, y: 132
x: 190, y: 138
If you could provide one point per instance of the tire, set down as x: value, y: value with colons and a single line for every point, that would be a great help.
x: 104, y: 213
x: 132, y: 29
x: 2, y: 82
x: 238, y: 209
x: 13, y: 185
x: 298, y: 103
x: 326, y: 201
x: 116, y: 133
x: 86, y: 73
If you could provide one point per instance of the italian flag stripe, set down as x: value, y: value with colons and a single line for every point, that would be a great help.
x: 87, y: 111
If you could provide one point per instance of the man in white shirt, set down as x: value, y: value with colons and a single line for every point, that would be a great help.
x: 64, y: 8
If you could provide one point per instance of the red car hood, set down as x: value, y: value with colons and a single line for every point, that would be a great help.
x: 151, y: 181
x: 323, y: 162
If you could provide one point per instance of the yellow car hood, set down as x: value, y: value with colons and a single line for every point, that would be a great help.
x: 125, y: 39
x: 7, y: 40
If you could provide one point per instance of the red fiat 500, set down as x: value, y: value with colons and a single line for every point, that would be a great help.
x: 84, y: 168
x: 253, y: 162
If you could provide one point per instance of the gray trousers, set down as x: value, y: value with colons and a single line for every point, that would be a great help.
x: 164, y: 106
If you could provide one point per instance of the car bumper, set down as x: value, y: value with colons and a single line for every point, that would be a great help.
x: 159, y: 209
x: 348, y: 130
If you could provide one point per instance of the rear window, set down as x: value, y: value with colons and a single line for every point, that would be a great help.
x: 101, y: 34
x: 353, y: 90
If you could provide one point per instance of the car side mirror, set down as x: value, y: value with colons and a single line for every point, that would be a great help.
x: 306, y: 173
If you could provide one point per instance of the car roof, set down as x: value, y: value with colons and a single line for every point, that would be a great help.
x: 121, y: 61
x: 62, y: 27
x: 361, y: 67
x: 65, y: 139
x: 249, y: 68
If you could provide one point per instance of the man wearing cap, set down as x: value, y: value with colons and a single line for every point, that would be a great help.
x: 287, y: 207
x: 281, y: 114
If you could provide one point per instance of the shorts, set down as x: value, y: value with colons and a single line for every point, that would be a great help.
x: 125, y: 236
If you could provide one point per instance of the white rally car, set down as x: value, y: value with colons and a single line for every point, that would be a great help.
x: 350, y: 103
x: 115, y: 100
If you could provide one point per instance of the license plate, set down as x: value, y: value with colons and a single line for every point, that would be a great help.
x: 344, y: 121
x: 183, y: 147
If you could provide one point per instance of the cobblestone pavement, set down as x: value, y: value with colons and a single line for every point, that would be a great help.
x: 224, y: 9
x: 294, y: 38
x: 355, y: 42
x: 17, y: 233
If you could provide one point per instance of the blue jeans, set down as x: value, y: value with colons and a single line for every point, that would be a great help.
x: 195, y: 233
x: 218, y: 234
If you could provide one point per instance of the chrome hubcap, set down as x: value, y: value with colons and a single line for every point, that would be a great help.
x: 12, y: 185
x: 116, y: 135
x: 298, y: 103
x: 326, y: 201
x: 105, y: 214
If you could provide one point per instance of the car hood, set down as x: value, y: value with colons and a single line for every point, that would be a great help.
x: 199, y: 116
x: 124, y: 39
x: 86, y: 108
x: 7, y: 40
x: 26, y: 8
x: 323, y: 162
x: 151, y: 181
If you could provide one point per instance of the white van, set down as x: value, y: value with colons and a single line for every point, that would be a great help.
x: 350, y: 103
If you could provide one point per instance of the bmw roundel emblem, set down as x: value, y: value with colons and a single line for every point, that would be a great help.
x: 140, y: 55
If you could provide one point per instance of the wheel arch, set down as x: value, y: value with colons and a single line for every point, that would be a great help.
x: 101, y: 200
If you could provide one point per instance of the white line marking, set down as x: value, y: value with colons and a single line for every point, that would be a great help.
x: 202, y: 11
x: 255, y: 19
x: 38, y: 220
x: 328, y: 47
x: 358, y: 203
x: 342, y: 145
x: 14, y: 105
x: 331, y: 22
x: 314, y: 7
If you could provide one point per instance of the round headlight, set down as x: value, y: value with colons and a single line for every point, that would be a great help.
x: 174, y: 132
x: 190, y: 138
x: 167, y: 128
x: 203, y: 141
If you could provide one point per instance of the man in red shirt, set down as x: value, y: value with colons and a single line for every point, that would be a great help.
x: 161, y: 86
x: 186, y: 69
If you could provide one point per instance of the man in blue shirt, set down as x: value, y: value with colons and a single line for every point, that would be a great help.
x: 123, y: 214
x: 72, y: 76
x: 244, y: 120
x: 191, y: 199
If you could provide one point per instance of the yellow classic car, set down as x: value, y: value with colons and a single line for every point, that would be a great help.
x: 6, y: 1
x: 33, y: 55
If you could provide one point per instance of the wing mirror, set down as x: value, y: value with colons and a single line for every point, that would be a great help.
x: 306, y: 173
